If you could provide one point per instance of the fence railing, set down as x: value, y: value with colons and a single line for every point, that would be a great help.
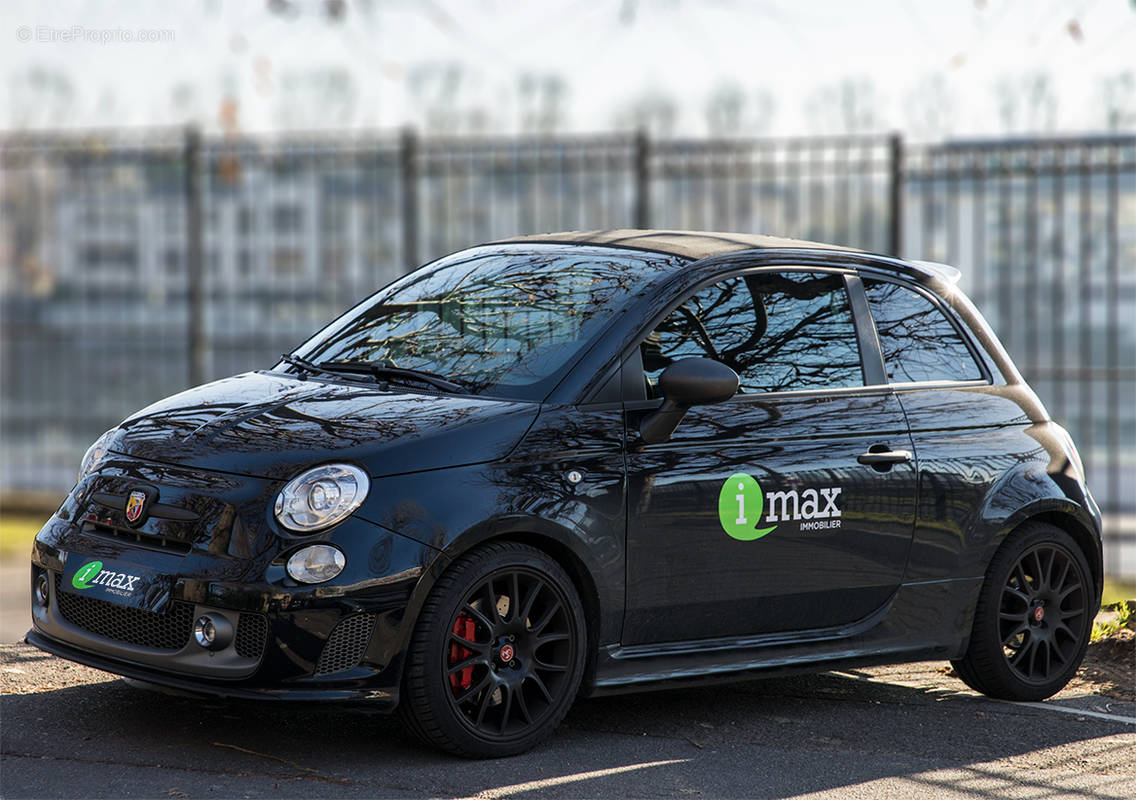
x: 134, y: 264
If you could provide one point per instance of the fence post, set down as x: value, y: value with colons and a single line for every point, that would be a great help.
x: 197, y: 352
x: 642, y: 180
x: 408, y: 164
x: 895, y: 195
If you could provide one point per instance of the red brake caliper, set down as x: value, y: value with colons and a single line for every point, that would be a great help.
x: 465, y: 627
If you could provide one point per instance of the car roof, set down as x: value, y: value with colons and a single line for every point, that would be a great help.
x: 688, y: 244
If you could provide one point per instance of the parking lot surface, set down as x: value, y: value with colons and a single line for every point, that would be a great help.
x: 903, y: 731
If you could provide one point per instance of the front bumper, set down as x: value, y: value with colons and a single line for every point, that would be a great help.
x: 377, y: 698
x: 342, y: 640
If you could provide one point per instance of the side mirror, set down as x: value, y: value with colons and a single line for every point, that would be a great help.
x: 686, y: 383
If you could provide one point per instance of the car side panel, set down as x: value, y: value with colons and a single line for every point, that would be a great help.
x: 528, y: 496
x: 984, y: 467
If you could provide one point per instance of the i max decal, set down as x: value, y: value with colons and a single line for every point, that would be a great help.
x: 82, y: 577
x: 741, y: 504
x: 92, y: 574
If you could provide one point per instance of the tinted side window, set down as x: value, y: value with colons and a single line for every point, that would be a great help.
x: 780, y: 331
x: 919, y: 343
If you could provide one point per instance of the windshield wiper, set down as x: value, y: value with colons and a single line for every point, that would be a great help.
x: 380, y: 371
x: 305, y: 366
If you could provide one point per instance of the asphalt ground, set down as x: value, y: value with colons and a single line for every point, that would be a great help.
x: 907, y: 731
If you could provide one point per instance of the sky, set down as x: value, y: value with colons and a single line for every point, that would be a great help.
x: 930, y: 68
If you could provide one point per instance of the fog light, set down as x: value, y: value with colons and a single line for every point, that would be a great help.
x: 39, y: 590
x: 212, y: 631
x: 316, y: 563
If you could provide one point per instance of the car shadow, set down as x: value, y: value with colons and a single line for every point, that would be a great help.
x: 772, y: 737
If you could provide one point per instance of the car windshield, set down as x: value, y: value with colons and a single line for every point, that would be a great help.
x: 504, y: 321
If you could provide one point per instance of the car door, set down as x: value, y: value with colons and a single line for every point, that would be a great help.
x: 759, y: 514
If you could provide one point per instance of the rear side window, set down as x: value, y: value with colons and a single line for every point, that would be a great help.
x: 919, y: 343
x: 780, y: 331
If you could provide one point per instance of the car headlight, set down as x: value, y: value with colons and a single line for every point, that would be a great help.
x: 321, y: 497
x: 316, y: 563
x: 94, y: 455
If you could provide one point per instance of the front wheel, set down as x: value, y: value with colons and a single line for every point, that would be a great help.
x: 497, y: 655
x: 1034, y: 615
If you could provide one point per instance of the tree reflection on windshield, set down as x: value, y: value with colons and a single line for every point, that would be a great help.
x: 500, y: 323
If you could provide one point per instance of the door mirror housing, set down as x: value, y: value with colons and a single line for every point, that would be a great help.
x: 686, y: 383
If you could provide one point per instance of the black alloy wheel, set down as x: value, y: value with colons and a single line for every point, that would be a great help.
x: 1033, y: 618
x: 497, y: 655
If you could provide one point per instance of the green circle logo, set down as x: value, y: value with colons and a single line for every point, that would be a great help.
x: 740, y: 505
x: 85, y: 573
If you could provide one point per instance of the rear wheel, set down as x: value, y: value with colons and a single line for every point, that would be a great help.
x: 1033, y: 618
x: 497, y: 654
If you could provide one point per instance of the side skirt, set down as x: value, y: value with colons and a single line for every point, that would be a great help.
x: 925, y: 620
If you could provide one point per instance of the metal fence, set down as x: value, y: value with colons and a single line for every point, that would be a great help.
x: 133, y: 265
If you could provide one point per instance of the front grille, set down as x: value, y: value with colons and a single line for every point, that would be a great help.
x: 346, y: 645
x: 251, y: 631
x: 161, y: 543
x: 168, y: 631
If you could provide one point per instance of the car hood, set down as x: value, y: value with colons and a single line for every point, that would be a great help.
x: 270, y: 425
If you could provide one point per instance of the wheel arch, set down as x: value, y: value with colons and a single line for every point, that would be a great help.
x: 603, y: 611
x: 1085, y: 539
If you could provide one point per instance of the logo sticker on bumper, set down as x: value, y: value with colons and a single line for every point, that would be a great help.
x: 122, y: 584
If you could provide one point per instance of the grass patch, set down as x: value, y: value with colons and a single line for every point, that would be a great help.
x: 1113, y: 618
x: 16, y: 534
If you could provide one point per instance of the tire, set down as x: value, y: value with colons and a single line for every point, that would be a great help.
x: 1033, y: 618
x: 497, y: 653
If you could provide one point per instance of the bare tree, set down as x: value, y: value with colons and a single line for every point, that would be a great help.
x: 316, y: 98
x: 441, y: 92
x: 848, y: 107
x: 1026, y: 103
x: 541, y: 98
x: 929, y: 108
x: 41, y: 97
x: 653, y: 111
x: 731, y: 112
x: 1118, y: 101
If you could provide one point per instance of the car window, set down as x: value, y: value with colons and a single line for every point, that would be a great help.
x: 919, y: 343
x: 501, y: 321
x: 780, y: 331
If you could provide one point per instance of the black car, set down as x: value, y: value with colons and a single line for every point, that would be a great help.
x: 587, y: 463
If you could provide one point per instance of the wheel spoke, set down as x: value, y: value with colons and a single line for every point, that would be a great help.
x: 483, y: 706
x: 477, y: 659
x: 541, y: 641
x: 1076, y: 587
x: 545, y: 618
x: 1020, y: 629
x: 507, y: 702
x: 532, y: 676
x: 515, y: 598
x: 547, y: 667
x: 1038, y: 583
x: 522, y: 705
x: 1049, y: 569
x: 1023, y: 585
x: 493, y: 613
x: 471, y: 691
x: 476, y: 614
x: 534, y: 592
x: 1072, y: 613
x: 1060, y: 582
x: 469, y: 644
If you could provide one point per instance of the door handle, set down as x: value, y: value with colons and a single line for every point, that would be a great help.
x: 885, y: 457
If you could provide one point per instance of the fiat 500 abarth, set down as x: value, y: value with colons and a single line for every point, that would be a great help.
x: 587, y: 463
